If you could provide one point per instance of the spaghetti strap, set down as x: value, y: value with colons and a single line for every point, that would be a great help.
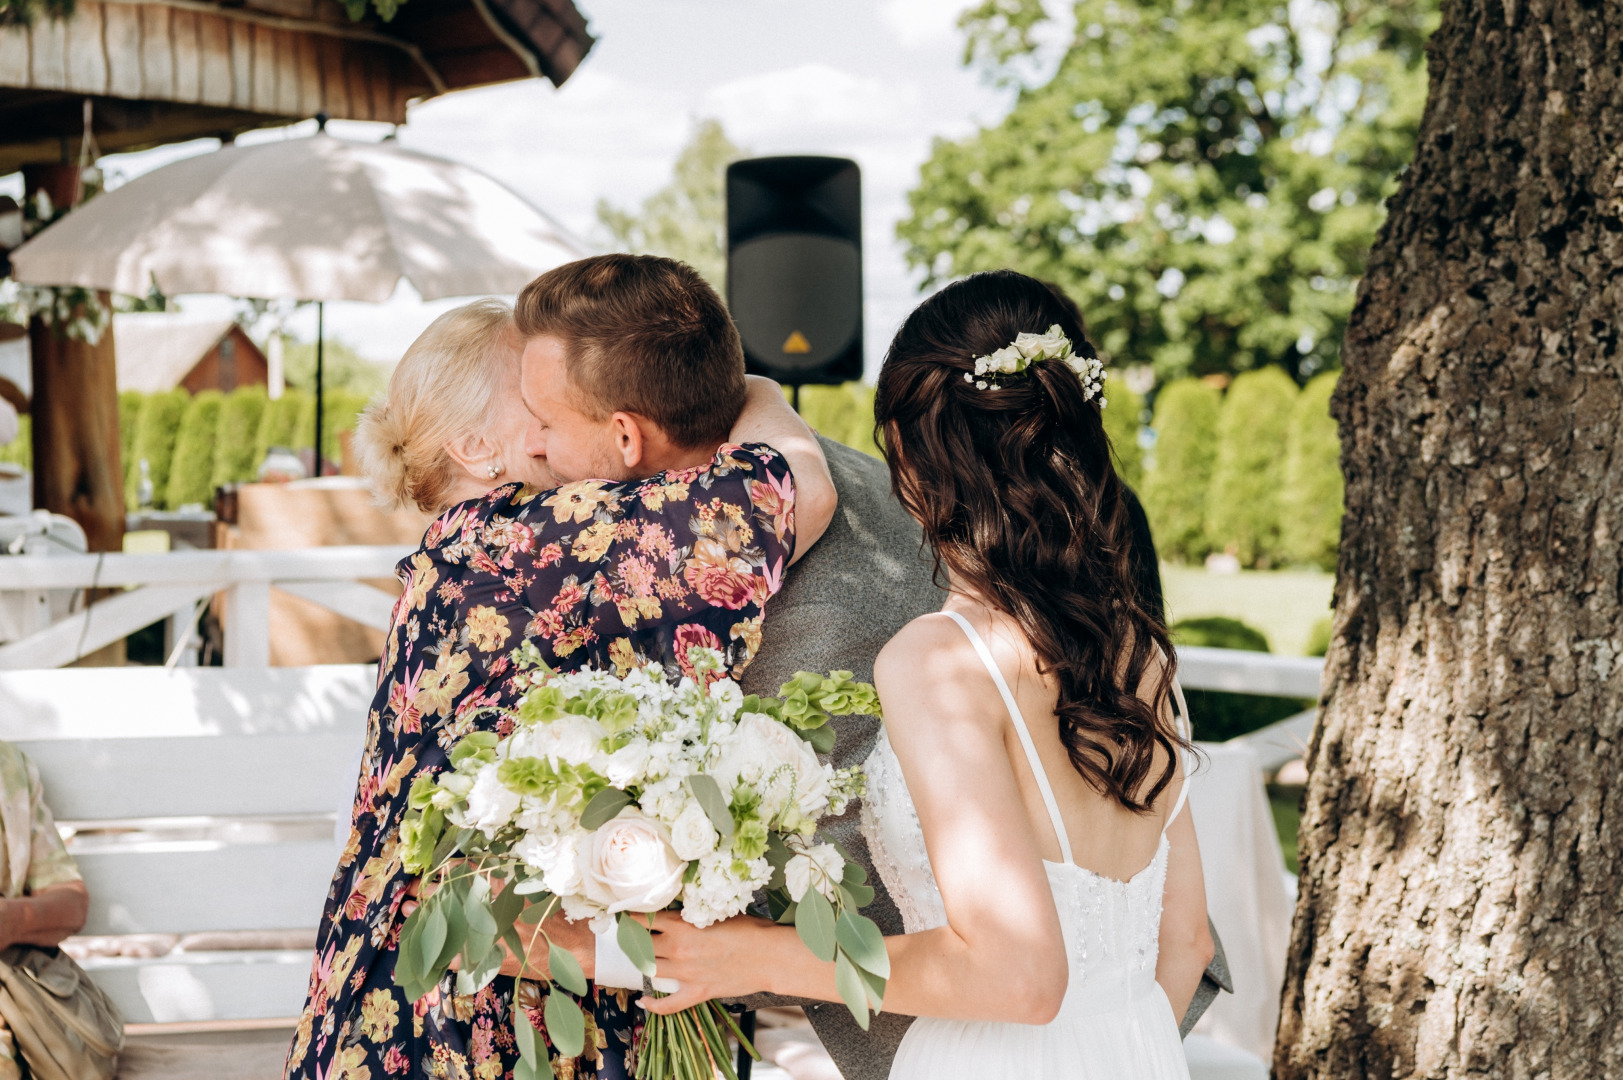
x: 1020, y: 729
x: 1187, y: 732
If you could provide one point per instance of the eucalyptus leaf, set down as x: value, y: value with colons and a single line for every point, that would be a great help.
x: 565, y: 1026
x: 787, y: 916
x: 814, y: 921
x: 456, y: 926
x: 876, y: 989
x: 708, y: 794
x: 476, y: 909
x: 505, y: 908
x: 854, y: 873
x: 856, y: 896
x: 432, y: 942
x: 637, y: 943
x: 604, y: 808
x: 852, y: 989
x: 861, y: 940
x: 566, y: 970
x: 477, y: 975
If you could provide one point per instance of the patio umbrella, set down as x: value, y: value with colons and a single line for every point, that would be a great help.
x: 316, y: 218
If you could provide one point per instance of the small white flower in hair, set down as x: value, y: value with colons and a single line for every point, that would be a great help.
x: 1028, y: 349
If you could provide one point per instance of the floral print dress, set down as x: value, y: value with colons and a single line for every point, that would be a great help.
x: 600, y: 574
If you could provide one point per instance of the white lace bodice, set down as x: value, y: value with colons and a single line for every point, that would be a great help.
x: 1111, y: 927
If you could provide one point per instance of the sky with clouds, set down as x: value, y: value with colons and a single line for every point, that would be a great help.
x: 874, y: 80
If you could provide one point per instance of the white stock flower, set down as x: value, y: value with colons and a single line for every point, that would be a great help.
x: 718, y: 892
x: 629, y: 864
x: 692, y: 834
x: 728, y: 697
x: 821, y: 866
x: 563, y: 877
x: 491, y: 803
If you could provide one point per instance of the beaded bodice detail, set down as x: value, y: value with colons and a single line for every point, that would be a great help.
x: 1111, y: 927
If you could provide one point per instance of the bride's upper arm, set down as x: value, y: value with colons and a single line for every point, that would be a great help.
x: 946, y: 722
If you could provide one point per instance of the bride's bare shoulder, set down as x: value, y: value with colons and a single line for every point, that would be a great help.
x: 931, y: 650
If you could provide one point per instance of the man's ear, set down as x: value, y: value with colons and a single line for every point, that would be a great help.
x: 630, y: 441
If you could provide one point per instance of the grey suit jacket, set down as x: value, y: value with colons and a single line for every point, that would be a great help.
x: 867, y: 578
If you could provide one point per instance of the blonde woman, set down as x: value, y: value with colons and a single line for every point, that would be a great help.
x: 593, y: 572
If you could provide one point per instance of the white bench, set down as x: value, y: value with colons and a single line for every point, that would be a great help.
x: 204, y: 800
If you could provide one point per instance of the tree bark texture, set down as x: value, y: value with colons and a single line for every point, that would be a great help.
x: 74, y: 410
x: 1461, y: 906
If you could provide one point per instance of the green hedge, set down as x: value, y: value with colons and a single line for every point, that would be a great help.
x: 288, y: 421
x: 235, y: 438
x: 341, y: 408
x: 1243, y: 507
x: 1217, y: 716
x: 1312, y: 496
x: 1123, y: 416
x: 843, y: 413
x: 1174, y: 491
x: 157, y: 426
x: 20, y: 451
x: 129, y: 414
x: 192, y: 470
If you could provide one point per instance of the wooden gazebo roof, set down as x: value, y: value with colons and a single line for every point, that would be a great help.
x: 160, y: 71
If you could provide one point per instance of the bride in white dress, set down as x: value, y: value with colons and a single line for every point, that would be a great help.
x: 1024, y: 801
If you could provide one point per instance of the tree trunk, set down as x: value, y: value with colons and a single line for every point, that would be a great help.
x: 74, y: 410
x: 1461, y: 907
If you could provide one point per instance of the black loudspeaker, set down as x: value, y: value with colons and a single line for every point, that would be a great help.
x: 794, y: 266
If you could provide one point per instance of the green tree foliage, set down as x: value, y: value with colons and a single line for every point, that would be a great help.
x: 129, y: 414
x: 1205, y: 177
x: 1243, y: 507
x: 342, y: 408
x: 1312, y: 498
x: 1174, y: 491
x: 20, y: 451
x: 342, y: 368
x: 1218, y: 716
x: 25, y: 12
x: 1123, y: 417
x: 687, y: 218
x: 842, y: 413
x: 192, y: 468
x: 156, y: 429
x: 238, y: 435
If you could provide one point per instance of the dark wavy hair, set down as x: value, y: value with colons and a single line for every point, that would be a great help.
x: 1020, y: 502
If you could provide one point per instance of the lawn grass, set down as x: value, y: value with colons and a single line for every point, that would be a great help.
x: 1283, y: 604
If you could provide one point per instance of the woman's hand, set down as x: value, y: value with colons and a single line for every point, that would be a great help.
x: 726, y: 960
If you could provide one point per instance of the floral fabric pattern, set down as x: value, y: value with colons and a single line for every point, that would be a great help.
x: 601, y: 574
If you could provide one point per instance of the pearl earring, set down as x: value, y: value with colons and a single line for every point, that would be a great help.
x: 494, y: 471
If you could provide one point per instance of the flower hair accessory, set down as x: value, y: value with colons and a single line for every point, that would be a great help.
x: 1026, y: 350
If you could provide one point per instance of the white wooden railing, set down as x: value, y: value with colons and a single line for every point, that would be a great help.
x: 173, y: 586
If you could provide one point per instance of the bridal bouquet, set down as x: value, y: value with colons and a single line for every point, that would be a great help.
x: 613, y: 797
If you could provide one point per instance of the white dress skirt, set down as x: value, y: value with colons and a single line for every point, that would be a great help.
x: 1115, y: 1022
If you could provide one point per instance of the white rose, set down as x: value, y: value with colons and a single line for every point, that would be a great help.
x: 574, y: 739
x: 822, y: 866
x: 629, y: 864
x: 491, y: 803
x: 772, y: 758
x: 626, y: 765
x: 692, y: 835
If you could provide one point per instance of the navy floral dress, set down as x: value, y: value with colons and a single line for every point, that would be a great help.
x: 599, y: 574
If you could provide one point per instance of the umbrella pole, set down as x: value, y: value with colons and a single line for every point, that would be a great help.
x: 321, y: 310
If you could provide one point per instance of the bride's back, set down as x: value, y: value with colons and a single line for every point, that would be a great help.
x: 1105, y: 836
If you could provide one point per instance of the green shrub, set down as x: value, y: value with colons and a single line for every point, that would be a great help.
x: 129, y: 415
x: 1175, y: 487
x: 192, y: 469
x: 20, y: 451
x: 1318, y: 638
x: 288, y: 421
x: 156, y: 429
x: 238, y: 433
x: 1243, y: 508
x: 341, y: 408
x: 1123, y: 417
x: 1312, y: 498
x: 843, y: 413
x: 1218, y: 716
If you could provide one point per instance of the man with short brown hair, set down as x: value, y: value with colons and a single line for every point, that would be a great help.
x: 632, y: 366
